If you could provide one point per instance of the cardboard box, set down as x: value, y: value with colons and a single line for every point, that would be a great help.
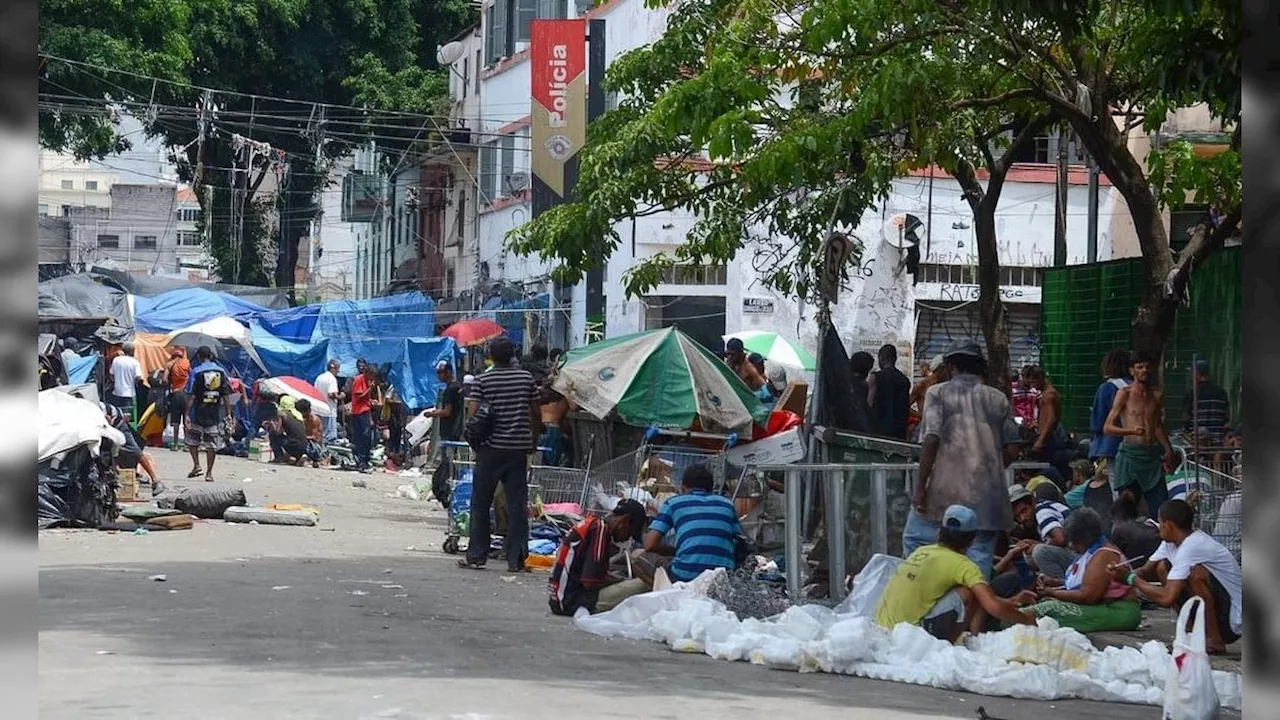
x: 785, y: 447
x: 127, y: 479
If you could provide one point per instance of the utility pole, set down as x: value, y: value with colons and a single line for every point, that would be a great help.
x: 207, y: 217
x: 318, y: 224
x: 1060, y: 214
x: 1094, y: 172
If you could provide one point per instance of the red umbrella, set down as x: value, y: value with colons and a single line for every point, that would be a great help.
x: 298, y: 390
x: 473, y: 332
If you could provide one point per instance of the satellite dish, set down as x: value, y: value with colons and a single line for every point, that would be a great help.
x: 449, y: 53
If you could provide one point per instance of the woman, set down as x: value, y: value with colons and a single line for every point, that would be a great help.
x: 1089, y: 599
x: 1089, y: 488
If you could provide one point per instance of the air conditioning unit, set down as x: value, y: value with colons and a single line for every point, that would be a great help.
x: 515, y: 182
x: 411, y: 198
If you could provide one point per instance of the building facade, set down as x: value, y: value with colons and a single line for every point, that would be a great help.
x: 66, y: 182
x: 147, y: 229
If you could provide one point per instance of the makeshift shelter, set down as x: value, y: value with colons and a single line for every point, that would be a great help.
x: 284, y: 357
x: 74, y: 488
x: 79, y: 298
x: 226, y: 330
x: 414, y: 377
x: 153, y: 285
x: 178, y: 309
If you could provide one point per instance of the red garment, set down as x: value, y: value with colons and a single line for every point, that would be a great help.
x: 582, y: 567
x: 360, y: 395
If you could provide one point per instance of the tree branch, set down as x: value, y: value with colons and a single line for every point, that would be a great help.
x: 1027, y: 133
x: 1203, y: 242
x: 1002, y: 98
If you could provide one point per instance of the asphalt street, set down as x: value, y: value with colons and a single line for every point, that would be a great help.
x: 364, y: 616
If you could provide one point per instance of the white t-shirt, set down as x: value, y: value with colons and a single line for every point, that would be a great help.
x: 1199, y: 548
x: 327, y: 384
x: 125, y: 371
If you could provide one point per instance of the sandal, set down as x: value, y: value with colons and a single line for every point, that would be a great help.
x: 195, y: 473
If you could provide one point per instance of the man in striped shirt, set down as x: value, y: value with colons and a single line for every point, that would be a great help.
x: 705, y: 525
x: 510, y: 393
x: 1052, y: 556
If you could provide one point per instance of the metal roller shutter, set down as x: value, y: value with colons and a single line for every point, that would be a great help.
x: 938, y: 323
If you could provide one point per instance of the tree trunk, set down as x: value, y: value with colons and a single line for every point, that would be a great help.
x: 991, y: 310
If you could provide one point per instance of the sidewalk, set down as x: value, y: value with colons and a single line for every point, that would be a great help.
x: 1159, y: 624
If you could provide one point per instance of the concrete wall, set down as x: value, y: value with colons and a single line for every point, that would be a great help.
x: 137, y: 213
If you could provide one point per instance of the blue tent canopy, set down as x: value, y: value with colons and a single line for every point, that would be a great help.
x: 414, y: 377
x: 304, y: 360
x: 295, y: 325
x: 374, y: 329
x: 177, y: 309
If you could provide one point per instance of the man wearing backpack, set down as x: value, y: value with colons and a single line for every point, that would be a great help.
x: 504, y: 422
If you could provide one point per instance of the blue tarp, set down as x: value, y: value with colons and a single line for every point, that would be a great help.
x: 511, y: 314
x: 177, y: 309
x: 79, y: 370
x: 295, y: 325
x: 281, y: 357
x: 414, y: 377
x: 373, y: 329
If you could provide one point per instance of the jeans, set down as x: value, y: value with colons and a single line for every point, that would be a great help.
x: 920, y: 531
x: 510, y: 469
x: 1155, y: 497
x: 1053, y: 561
x: 284, y: 448
x: 330, y: 426
x: 362, y: 438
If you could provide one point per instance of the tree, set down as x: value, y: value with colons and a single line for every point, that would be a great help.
x: 340, y: 52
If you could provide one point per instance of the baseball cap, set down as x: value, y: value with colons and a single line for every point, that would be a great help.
x: 960, y: 519
x: 1202, y: 366
x: 963, y: 347
x: 1018, y: 493
x: 733, y: 345
x: 442, y: 365
x: 468, y: 379
x: 634, y: 512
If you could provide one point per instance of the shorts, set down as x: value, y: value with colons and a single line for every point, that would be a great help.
x: 176, y: 406
x: 205, y: 437
x: 945, y: 616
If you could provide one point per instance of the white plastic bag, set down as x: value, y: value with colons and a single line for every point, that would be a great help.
x: 869, y: 585
x: 1189, y: 692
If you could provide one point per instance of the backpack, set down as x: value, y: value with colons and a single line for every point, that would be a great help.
x: 479, y: 426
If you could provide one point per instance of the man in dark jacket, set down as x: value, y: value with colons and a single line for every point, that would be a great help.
x: 581, y: 571
x: 889, y: 394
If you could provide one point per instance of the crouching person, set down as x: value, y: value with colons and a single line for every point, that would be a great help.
x: 580, y: 577
x: 940, y: 589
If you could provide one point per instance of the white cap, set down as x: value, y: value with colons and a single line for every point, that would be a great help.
x: 468, y: 379
x: 442, y: 365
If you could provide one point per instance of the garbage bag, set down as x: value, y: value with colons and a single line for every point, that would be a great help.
x: 869, y: 585
x: 440, y: 481
x: 1189, y: 691
x: 75, y: 490
x: 210, y: 500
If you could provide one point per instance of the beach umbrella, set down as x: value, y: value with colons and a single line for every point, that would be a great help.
x: 660, y: 378
x: 775, y: 347
x: 476, y: 331
x: 299, y: 390
x: 193, y: 341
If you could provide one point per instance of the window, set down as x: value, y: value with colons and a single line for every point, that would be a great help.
x: 44, y: 208
x: 695, y: 275
x: 189, y: 214
x: 189, y: 238
x: 466, y: 76
x: 462, y: 219
x: 526, y: 11
x: 968, y: 275
x: 479, y: 64
x: 144, y: 242
x: 498, y: 37
x: 90, y: 184
x: 109, y: 241
x: 68, y: 185
x: 488, y: 172
x: 508, y: 164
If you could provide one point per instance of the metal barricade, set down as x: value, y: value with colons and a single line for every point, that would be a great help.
x: 1213, y: 478
x: 550, y: 485
x: 1011, y: 472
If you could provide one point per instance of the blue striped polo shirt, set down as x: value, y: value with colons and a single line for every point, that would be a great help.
x: 705, y: 526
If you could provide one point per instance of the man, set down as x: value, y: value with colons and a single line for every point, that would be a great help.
x: 1144, y: 455
x: 289, y: 433
x: 126, y: 372
x: 177, y: 371
x: 969, y: 438
x: 941, y: 589
x: 327, y: 384
x: 580, y: 577
x: 735, y: 356
x: 1051, y: 437
x: 536, y: 363
x: 1052, y: 556
x: 1207, y: 411
x: 314, y: 433
x: 705, y: 524
x: 1191, y: 563
x: 448, y: 410
x: 503, y: 459
x: 363, y: 388
x: 131, y: 455
x: 553, y: 358
x: 889, y: 394
x: 1103, y: 447
x: 208, y: 406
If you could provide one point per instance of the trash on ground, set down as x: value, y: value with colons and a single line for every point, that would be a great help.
x: 392, y: 587
x: 359, y: 483
x: 158, y: 578
x: 247, y: 480
x: 272, y: 516
x: 209, y: 500
x: 279, y: 587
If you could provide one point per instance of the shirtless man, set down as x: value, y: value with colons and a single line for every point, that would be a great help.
x: 1145, y: 455
x: 1048, y: 415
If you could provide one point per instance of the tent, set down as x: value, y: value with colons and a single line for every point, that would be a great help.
x: 284, y: 357
x: 153, y: 285
x: 79, y: 298
x: 178, y: 309
x: 227, y: 330
x: 67, y: 422
x: 414, y: 377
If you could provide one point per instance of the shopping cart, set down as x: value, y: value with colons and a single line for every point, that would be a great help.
x: 1211, y: 479
x: 462, y: 461
x: 656, y: 467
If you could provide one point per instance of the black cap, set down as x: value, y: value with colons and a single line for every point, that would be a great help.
x: 634, y: 512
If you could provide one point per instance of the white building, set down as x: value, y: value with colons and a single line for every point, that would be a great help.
x: 67, y: 182
x: 145, y: 229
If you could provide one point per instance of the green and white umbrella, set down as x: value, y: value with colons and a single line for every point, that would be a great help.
x: 774, y: 347
x: 660, y: 378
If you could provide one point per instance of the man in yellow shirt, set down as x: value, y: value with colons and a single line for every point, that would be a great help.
x: 940, y: 589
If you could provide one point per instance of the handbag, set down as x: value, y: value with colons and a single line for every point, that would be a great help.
x: 1189, y: 693
x: 479, y: 426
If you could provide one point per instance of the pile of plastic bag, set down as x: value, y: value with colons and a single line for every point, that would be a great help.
x: 1047, y: 662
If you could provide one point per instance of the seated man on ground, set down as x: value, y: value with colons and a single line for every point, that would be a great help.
x: 1088, y: 599
x: 314, y: 429
x: 1014, y: 570
x: 1090, y: 487
x: 1137, y: 537
x: 940, y: 589
x: 580, y: 577
x: 1052, y: 555
x: 288, y: 434
x: 706, y: 527
x: 1191, y: 563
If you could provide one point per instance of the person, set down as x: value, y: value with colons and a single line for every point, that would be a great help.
x: 1088, y: 599
x: 1026, y: 398
x: 1137, y: 537
x: 1206, y: 411
x: 705, y: 525
x: 941, y: 589
x: 860, y: 365
x: 1051, y: 437
x: 536, y: 363
x: 932, y: 373
x: 759, y: 382
x: 363, y: 387
x: 1102, y: 447
x: 580, y: 576
x: 327, y: 384
x: 503, y: 459
x: 1013, y: 571
x: 969, y: 439
x: 176, y: 371
x: 126, y: 373
x: 448, y: 409
x: 735, y: 356
x: 314, y: 430
x: 1052, y: 555
x: 131, y: 454
x: 287, y: 433
x: 889, y: 394
x: 553, y: 358
x: 1191, y: 563
x: 1144, y: 455
x: 1089, y: 487
x: 208, y: 393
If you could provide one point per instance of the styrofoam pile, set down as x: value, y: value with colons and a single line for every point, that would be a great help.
x: 1043, y: 663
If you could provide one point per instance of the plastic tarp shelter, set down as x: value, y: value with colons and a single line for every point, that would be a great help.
x: 281, y: 356
x: 78, y: 297
x: 67, y: 422
x: 295, y: 325
x: 226, y: 329
x: 414, y: 377
x: 374, y: 329
x: 153, y: 285
x: 179, y: 309
x: 79, y: 370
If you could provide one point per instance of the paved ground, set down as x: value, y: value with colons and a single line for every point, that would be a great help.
x: 364, y: 617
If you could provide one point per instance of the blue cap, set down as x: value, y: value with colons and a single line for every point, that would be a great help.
x: 960, y: 519
x: 733, y: 345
